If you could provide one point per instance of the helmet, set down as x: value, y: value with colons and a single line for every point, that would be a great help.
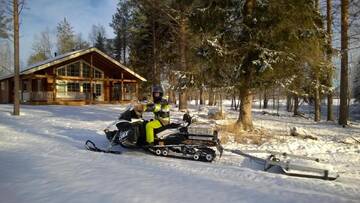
x: 157, y: 89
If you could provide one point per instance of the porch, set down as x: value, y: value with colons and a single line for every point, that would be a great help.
x: 48, y: 97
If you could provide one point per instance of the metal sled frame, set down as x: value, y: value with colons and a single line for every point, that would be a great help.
x: 286, y: 166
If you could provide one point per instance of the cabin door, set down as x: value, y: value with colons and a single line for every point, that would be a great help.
x: 98, y: 91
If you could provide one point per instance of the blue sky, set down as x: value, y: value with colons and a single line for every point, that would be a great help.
x: 82, y: 14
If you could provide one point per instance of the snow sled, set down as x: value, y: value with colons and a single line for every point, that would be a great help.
x: 292, y: 165
x: 175, y: 139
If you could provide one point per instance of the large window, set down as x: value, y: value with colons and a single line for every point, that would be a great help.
x: 97, y: 74
x: 98, y: 89
x: 61, y: 85
x: 86, y: 70
x: 86, y: 87
x: 73, y: 69
x: 2, y: 85
x: 62, y: 71
x: 73, y: 87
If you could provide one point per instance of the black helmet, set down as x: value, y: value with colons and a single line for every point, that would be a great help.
x: 157, y: 89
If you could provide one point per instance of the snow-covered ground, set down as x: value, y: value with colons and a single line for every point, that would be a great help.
x: 42, y: 159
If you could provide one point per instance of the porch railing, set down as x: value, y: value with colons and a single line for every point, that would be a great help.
x: 72, y: 95
x: 37, y: 96
x: 129, y: 96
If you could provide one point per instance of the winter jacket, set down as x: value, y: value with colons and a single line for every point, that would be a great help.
x: 161, y: 111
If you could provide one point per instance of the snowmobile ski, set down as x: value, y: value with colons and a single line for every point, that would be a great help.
x: 89, y: 145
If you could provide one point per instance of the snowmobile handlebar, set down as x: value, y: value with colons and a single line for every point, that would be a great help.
x: 187, y: 118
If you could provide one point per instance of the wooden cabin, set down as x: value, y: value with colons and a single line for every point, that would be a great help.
x: 80, y: 77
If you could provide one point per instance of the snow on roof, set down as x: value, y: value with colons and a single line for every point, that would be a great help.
x: 52, y: 59
x: 63, y: 57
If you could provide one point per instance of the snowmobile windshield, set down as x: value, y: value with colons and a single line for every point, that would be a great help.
x: 129, y: 113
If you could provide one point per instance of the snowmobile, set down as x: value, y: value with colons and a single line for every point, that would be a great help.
x: 175, y: 139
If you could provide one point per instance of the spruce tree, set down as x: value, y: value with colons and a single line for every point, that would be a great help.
x: 65, y: 37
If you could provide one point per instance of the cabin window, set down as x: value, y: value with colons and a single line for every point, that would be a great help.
x: 61, y: 86
x: 73, y: 87
x: 73, y: 69
x: 86, y: 70
x: 86, y: 87
x: 97, y: 74
x: 98, y: 90
x: 2, y: 86
x: 61, y: 71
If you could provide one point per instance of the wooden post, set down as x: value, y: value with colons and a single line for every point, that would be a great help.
x: 30, y: 88
x: 107, y: 90
x: 137, y: 91
x: 54, y: 85
x: 91, y: 79
x: 122, y: 86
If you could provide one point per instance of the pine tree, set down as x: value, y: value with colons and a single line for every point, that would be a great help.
x: 16, y: 15
x: 100, y: 42
x: 95, y: 30
x: 120, y: 24
x: 329, y: 21
x: 259, y: 42
x: 65, y: 37
x: 344, y: 89
x: 356, y: 82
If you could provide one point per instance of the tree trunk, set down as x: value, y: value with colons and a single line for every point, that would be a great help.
x: 330, y: 114
x: 16, y: 59
x: 233, y: 102
x: 182, y: 101
x: 246, y: 96
x: 296, y: 105
x: 265, y: 100
x: 211, y: 97
x: 245, y: 115
x: 278, y: 103
x: 344, y: 63
x: 197, y: 98
x: 156, y: 75
x: 221, y: 102
x: 260, y: 99
x: 273, y: 99
x: 238, y: 104
x: 201, y: 95
x: 124, y: 42
x: 317, y: 101
x: 288, y: 102
x: 183, y: 65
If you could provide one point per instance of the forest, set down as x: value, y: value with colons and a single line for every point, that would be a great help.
x: 240, y: 50
x: 180, y: 101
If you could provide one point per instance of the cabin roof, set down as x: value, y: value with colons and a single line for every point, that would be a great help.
x: 71, y: 55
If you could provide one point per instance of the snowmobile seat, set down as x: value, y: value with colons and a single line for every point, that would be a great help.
x: 169, y: 126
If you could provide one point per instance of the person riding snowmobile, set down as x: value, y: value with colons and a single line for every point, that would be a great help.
x: 161, y: 109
